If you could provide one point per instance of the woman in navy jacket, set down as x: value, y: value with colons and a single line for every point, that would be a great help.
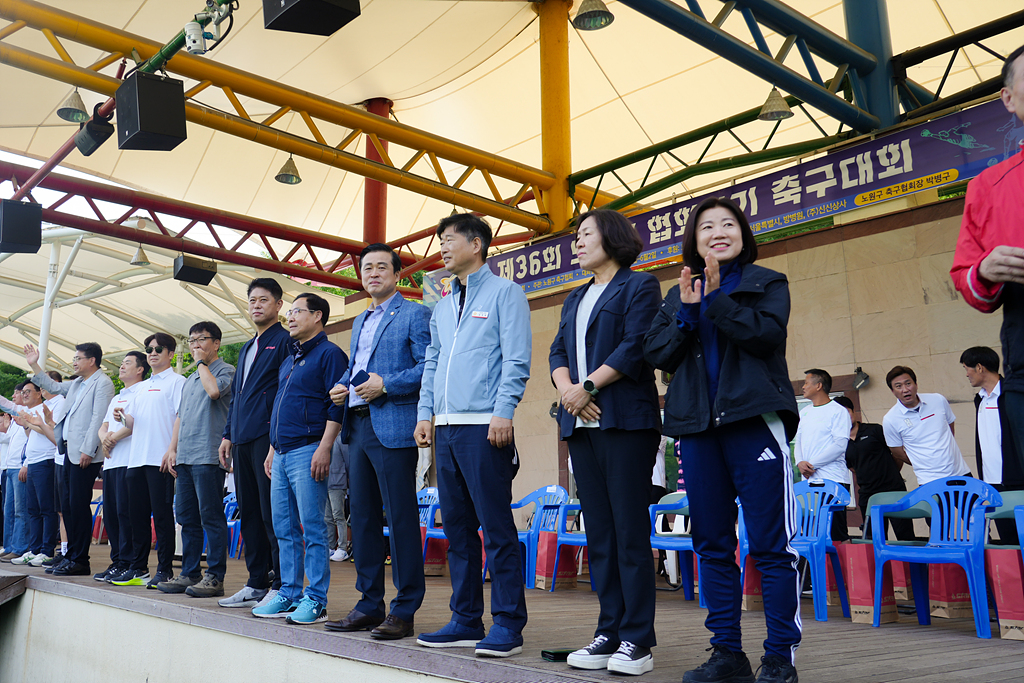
x: 609, y: 415
x: 722, y: 333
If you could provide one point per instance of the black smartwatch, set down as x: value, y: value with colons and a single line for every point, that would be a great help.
x: 588, y: 386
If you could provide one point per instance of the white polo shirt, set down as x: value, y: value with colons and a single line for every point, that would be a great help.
x: 990, y: 436
x: 122, y: 450
x: 154, y: 408
x: 40, y: 449
x: 58, y: 410
x: 15, y: 445
x: 822, y: 438
x: 924, y: 434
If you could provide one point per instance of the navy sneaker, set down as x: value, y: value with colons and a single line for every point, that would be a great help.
x: 131, y: 577
x: 453, y: 634
x: 724, y: 666
x: 500, y: 642
x: 775, y: 669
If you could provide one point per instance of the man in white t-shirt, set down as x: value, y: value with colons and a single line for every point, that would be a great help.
x: 919, y: 430
x: 821, y: 441
x: 37, y: 466
x: 150, y: 417
x: 15, y: 514
x: 116, y: 441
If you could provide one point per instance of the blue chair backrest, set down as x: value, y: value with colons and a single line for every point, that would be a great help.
x: 546, y: 501
x: 958, y: 508
x: 816, y: 502
x: 428, y: 503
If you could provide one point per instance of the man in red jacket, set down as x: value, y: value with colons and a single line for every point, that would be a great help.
x: 988, y: 268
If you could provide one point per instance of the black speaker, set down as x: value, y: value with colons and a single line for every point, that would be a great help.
x: 316, y: 17
x: 193, y: 269
x: 21, y: 227
x: 150, y: 112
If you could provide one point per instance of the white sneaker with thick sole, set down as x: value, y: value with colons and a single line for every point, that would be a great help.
x: 37, y: 560
x: 631, y: 659
x: 24, y: 559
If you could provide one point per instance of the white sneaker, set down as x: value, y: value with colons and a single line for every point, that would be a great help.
x: 24, y: 559
x: 271, y: 594
x: 37, y: 560
x: 247, y: 597
x: 339, y: 555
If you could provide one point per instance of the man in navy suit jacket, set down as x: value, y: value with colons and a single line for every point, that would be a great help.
x: 389, y: 342
x: 247, y: 440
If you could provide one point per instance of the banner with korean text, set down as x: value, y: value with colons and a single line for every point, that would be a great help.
x: 940, y: 152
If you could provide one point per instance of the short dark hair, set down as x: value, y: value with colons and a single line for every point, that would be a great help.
x: 206, y: 326
x: 896, y: 372
x: 845, y: 402
x: 267, y: 283
x: 822, y: 376
x: 469, y: 226
x: 54, y: 375
x: 91, y: 350
x: 19, y: 386
x: 619, y: 238
x: 981, y: 355
x: 162, y: 339
x: 396, y: 260
x: 141, y: 361
x: 1008, y: 71
x: 690, y: 256
x: 317, y: 303
x: 34, y: 385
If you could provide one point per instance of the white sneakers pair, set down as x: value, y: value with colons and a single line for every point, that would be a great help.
x: 29, y: 559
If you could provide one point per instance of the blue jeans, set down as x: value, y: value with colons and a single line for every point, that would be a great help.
x: 42, y: 513
x: 298, y: 503
x: 15, y: 514
x: 199, y: 506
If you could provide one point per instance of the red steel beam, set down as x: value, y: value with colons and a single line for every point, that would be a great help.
x: 375, y: 193
x: 427, y: 232
x: 428, y: 262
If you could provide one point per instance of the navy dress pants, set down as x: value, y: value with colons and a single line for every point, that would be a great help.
x: 474, y: 480
x: 77, y: 507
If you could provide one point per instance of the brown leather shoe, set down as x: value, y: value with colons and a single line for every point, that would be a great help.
x: 393, y: 628
x: 355, y: 621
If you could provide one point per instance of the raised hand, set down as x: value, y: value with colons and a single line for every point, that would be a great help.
x: 689, y: 288
x: 712, y: 276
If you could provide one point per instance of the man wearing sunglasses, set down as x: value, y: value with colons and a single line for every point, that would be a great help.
x: 87, y: 397
x: 150, y: 420
x: 303, y: 427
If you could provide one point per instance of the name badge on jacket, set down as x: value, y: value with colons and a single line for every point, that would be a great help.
x: 480, y: 314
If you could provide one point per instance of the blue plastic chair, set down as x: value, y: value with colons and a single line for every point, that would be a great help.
x: 958, y: 535
x: 546, y: 502
x: 428, y: 504
x: 682, y: 543
x: 817, y: 501
x: 566, y: 537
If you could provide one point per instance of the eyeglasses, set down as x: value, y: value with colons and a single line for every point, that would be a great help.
x: 155, y: 349
x: 295, y: 311
x: 78, y: 359
x: 198, y: 340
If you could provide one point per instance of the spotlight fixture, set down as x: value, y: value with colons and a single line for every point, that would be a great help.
x: 73, y: 109
x: 860, y: 379
x: 775, y: 108
x: 140, y: 258
x: 593, y: 15
x: 289, y: 173
x: 94, y: 132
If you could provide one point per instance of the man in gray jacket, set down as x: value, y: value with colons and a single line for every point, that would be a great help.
x: 474, y: 376
x: 87, y: 398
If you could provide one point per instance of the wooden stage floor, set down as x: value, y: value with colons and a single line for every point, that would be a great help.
x: 834, y: 651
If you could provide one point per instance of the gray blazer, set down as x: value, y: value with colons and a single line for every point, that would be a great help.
x: 86, y: 403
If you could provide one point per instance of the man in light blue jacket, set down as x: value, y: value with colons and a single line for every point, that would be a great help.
x: 475, y: 373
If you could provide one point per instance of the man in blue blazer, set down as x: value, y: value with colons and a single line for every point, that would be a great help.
x: 389, y: 341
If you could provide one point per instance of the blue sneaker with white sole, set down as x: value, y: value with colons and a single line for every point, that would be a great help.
x: 500, y: 642
x: 453, y: 634
x: 308, y: 611
x: 278, y: 608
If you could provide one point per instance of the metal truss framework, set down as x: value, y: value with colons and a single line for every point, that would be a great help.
x: 229, y: 231
x: 422, y: 172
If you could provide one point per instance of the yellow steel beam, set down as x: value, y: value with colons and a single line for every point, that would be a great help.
x: 94, y: 34
x: 281, y: 140
x: 556, y: 150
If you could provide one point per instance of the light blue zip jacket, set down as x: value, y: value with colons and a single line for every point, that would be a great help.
x: 477, y: 367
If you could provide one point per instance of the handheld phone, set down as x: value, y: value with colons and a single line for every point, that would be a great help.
x: 360, y: 379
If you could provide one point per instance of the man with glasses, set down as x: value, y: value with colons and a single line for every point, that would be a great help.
x: 37, y: 457
x: 303, y: 427
x: 246, y: 442
x: 86, y: 401
x: 15, y: 499
x: 117, y: 446
x: 192, y: 460
x: 150, y: 420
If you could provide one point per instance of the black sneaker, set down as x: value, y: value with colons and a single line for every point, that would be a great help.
x: 595, y: 655
x: 724, y: 666
x: 117, y: 571
x: 775, y: 669
x: 51, y: 568
x: 69, y: 568
x: 631, y: 659
x: 159, y: 577
x: 102, y: 576
x: 53, y: 561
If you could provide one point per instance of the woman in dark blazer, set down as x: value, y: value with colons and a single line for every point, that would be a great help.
x: 610, y: 417
x: 722, y: 333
